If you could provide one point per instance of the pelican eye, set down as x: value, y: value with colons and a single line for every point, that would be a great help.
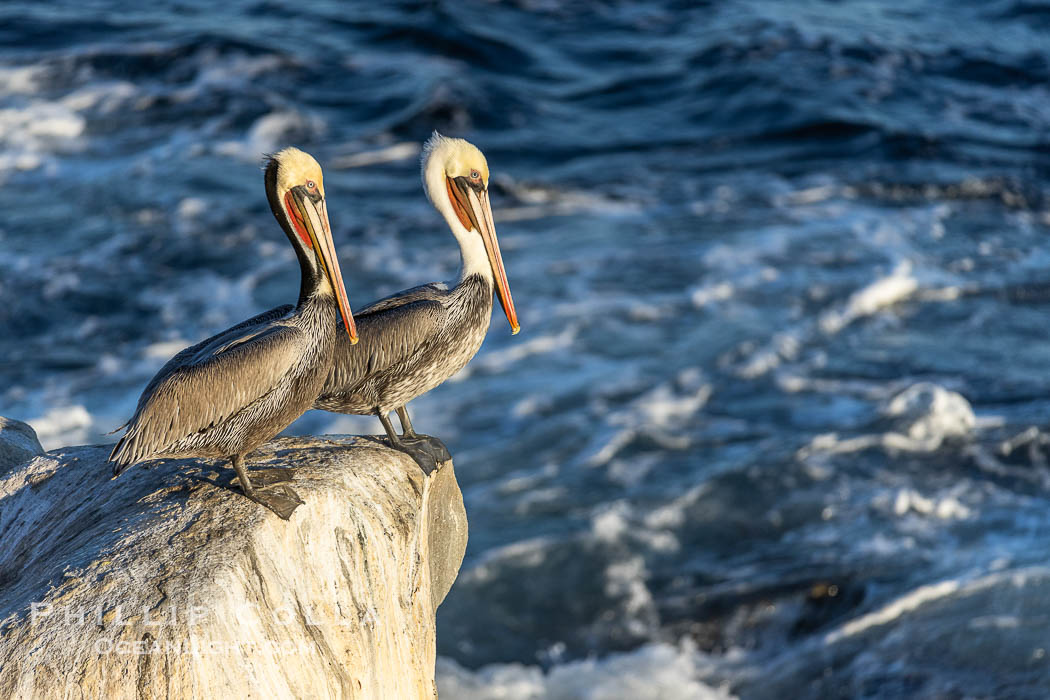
x: 474, y: 174
x: 311, y: 185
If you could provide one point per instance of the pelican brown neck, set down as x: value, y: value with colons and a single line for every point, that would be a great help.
x: 296, y: 195
x: 311, y: 276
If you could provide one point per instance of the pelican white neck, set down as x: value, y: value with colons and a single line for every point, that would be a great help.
x: 436, y: 153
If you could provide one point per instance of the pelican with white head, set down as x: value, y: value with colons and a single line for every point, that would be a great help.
x: 414, y: 340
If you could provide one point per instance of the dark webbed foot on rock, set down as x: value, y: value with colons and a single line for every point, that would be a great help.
x: 281, y: 499
x: 429, y: 452
x: 274, y: 475
x: 431, y: 445
x: 276, y: 496
x: 419, y: 453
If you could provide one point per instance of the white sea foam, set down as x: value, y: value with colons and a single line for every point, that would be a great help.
x: 673, y: 514
x: 191, y: 207
x: 871, y: 390
x: 702, y: 296
x: 33, y: 129
x: 671, y: 407
x: 812, y: 195
x: 894, y: 609
x: 609, y: 525
x: 960, y: 589
x: 652, y: 672
x: 926, y: 412
x: 501, y: 360
x: 272, y: 131
x: 209, y: 303
x: 663, y: 414
x: 787, y: 344
x: 878, y: 295
x: 542, y: 201
x: 531, y: 404
x: 383, y: 249
x: 528, y: 553
x: 1002, y: 622
x: 946, y: 508
x: 29, y: 133
x: 399, y: 151
x: 923, y: 417
x: 610, y: 448
x: 230, y: 73
x: 62, y: 426
x: 619, y: 523
x: 165, y: 349
x: 783, y: 346
x: 625, y: 581
x: 105, y: 98
x: 21, y: 80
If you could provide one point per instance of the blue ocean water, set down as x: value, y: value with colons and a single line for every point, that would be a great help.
x: 775, y: 422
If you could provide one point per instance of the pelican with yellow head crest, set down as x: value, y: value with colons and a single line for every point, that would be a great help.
x: 234, y: 391
x: 414, y: 340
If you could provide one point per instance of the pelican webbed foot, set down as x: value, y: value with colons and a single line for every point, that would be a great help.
x: 276, y: 496
x: 421, y: 455
x: 429, y: 444
x: 281, y: 499
x: 428, y: 452
x: 273, y: 475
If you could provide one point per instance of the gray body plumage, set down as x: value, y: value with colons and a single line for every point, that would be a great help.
x: 410, y: 343
x: 228, y: 394
x: 232, y: 392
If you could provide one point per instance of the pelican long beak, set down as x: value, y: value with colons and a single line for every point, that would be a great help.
x: 312, y: 212
x: 476, y: 205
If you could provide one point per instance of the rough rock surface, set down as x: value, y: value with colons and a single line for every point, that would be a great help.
x: 18, y: 443
x: 166, y: 582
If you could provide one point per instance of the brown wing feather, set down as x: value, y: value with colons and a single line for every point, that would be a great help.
x: 425, y: 292
x: 201, y: 392
x: 390, y: 333
x: 182, y: 357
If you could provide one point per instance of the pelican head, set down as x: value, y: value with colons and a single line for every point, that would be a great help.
x: 456, y: 179
x: 295, y: 188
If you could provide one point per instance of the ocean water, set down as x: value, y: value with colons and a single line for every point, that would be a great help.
x: 774, y: 426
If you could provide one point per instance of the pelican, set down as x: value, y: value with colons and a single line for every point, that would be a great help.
x: 230, y: 393
x: 416, y: 339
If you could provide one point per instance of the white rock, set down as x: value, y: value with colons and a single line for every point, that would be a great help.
x: 167, y: 583
x: 18, y: 443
